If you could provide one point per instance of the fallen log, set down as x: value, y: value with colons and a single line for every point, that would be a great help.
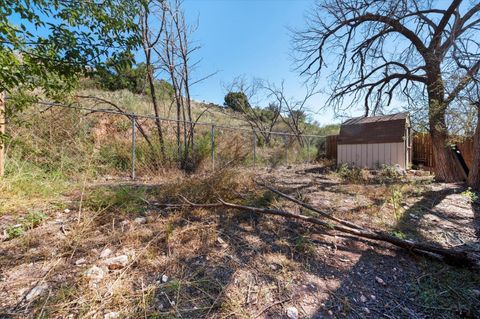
x: 310, y: 207
x: 452, y: 256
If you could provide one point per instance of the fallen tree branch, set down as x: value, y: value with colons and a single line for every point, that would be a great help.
x: 310, y: 207
x: 454, y: 256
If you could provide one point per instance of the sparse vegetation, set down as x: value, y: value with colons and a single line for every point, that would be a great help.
x: 471, y: 195
x: 224, y: 218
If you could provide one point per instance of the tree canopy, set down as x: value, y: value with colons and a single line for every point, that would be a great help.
x: 237, y: 101
x: 425, y: 51
x: 47, y: 44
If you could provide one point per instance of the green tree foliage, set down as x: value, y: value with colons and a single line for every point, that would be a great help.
x: 237, y: 101
x: 47, y: 44
x: 120, y: 73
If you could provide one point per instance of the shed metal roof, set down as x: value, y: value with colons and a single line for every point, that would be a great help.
x: 376, y: 119
x: 374, y: 129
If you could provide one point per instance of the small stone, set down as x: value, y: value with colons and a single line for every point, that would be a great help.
x: 373, y: 297
x: 111, y: 315
x: 95, y: 274
x: 292, y: 313
x: 66, y: 211
x: 80, y: 261
x: 380, y: 281
x: 363, y: 298
x: 36, y: 291
x: 366, y: 310
x: 164, y: 278
x: 105, y: 253
x: 117, y: 262
x: 140, y: 220
x: 222, y: 242
x: 330, y: 313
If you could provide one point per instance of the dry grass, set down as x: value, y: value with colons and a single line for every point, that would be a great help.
x: 219, y: 263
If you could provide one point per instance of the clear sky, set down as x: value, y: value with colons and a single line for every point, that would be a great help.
x: 250, y: 38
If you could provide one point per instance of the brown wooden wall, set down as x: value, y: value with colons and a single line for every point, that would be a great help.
x: 332, y: 147
x: 422, y: 149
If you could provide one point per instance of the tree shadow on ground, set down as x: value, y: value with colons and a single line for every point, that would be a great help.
x: 256, y: 266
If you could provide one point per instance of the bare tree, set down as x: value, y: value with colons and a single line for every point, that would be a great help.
x: 152, y: 24
x: 175, y: 54
x: 406, y: 48
x: 262, y: 120
x: 294, y: 111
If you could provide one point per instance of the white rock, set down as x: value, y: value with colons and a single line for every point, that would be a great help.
x: 380, y: 281
x: 66, y: 211
x: 105, y: 253
x: 117, y: 262
x: 363, y: 298
x: 36, y: 291
x: 373, y: 297
x: 164, y: 278
x: 80, y: 261
x: 111, y: 315
x: 292, y: 313
x: 95, y: 274
x: 366, y: 310
x: 400, y: 171
x: 140, y: 220
x: 222, y: 242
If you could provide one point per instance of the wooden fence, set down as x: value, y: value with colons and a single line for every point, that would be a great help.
x: 331, y: 152
x: 422, y: 149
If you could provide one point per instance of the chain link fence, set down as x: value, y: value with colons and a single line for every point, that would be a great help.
x: 72, y: 139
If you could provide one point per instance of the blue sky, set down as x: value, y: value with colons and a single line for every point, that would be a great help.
x: 250, y: 38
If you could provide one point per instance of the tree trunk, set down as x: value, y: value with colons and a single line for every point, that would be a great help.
x: 158, y: 124
x: 446, y: 168
x: 474, y: 175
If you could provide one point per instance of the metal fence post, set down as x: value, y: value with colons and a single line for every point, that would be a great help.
x: 308, y: 149
x: 254, y: 148
x: 286, y: 140
x: 133, y: 144
x: 2, y: 131
x: 213, y: 147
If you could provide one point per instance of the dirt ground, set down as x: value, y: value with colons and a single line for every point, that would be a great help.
x: 215, y: 263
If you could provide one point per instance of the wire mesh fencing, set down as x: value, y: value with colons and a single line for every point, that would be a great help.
x: 71, y: 140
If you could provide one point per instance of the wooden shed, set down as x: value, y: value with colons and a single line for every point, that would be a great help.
x: 374, y: 141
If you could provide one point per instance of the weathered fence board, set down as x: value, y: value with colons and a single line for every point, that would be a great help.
x: 331, y: 152
x: 423, y: 149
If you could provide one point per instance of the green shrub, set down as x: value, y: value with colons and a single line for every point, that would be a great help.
x: 471, y: 195
x: 29, y: 221
x: 352, y: 174
x: 15, y: 231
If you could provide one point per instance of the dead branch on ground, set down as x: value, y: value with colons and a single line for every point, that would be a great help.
x: 453, y: 256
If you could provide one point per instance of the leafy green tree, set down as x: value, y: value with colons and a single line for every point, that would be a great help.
x: 120, y: 73
x: 45, y: 45
x: 237, y: 101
